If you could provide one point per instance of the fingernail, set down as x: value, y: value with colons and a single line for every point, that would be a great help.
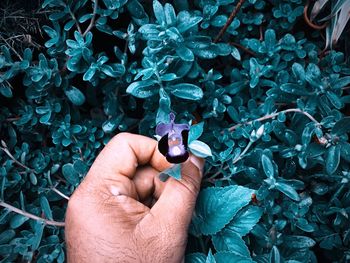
x: 198, y: 162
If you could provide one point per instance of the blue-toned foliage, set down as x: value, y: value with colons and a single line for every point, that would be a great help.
x: 269, y: 110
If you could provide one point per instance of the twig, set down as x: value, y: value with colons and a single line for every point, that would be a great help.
x: 31, y: 216
x: 14, y: 50
x: 243, y: 48
x: 59, y: 193
x: 229, y: 20
x: 15, y: 160
x: 308, y: 21
x: 274, y: 115
x: 75, y: 21
x: 239, y: 157
x: 92, y: 22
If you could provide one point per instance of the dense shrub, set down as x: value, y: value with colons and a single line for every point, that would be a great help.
x: 272, y: 105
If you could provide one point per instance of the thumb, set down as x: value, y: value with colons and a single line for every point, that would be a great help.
x: 177, y: 201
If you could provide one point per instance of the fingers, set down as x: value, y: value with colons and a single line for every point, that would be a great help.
x: 176, y: 202
x: 124, y: 153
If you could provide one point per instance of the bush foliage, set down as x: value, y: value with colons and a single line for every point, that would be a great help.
x: 272, y: 106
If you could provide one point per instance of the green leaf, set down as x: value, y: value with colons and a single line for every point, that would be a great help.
x: 45, y: 206
x: 195, y: 258
x: 342, y: 126
x: 170, y: 16
x: 5, y: 90
x: 298, y: 241
x: 287, y: 190
x: 75, y: 96
x: 274, y: 255
x: 267, y: 166
x: 210, y: 258
x: 216, y: 207
x: 333, y: 159
x: 230, y: 257
x: 245, y: 220
x: 143, y: 89
x: 158, y: 12
x: 17, y: 220
x: 195, y: 132
x: 164, y: 107
x: 70, y: 174
x: 185, y: 53
x: 235, y: 53
x: 295, y: 89
x: 174, y: 171
x: 228, y: 240
x: 187, y: 91
x: 6, y: 236
x: 200, y: 149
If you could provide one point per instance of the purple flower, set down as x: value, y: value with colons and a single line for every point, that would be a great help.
x: 173, y: 144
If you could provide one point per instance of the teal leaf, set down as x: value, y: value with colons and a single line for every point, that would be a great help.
x: 6, y: 236
x: 195, y: 258
x: 200, y: 149
x: 228, y: 240
x: 342, y: 126
x: 210, y: 258
x: 45, y: 206
x: 295, y: 89
x: 159, y: 12
x: 174, y: 171
x: 143, y: 89
x: 267, y: 166
x: 185, y: 53
x: 231, y: 257
x: 195, y: 132
x: 216, y: 207
x: 235, y: 53
x: 287, y: 190
x: 75, y: 96
x: 5, y: 90
x: 274, y: 255
x: 245, y: 220
x: 187, y: 91
x: 70, y: 174
x: 298, y: 241
x: 17, y: 220
x: 333, y: 159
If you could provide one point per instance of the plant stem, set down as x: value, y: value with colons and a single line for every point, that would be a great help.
x: 75, y: 20
x: 308, y: 21
x: 15, y: 160
x: 239, y: 157
x: 31, y: 216
x: 92, y: 22
x: 14, y: 50
x: 243, y: 48
x: 229, y: 21
x: 60, y: 193
x: 274, y: 115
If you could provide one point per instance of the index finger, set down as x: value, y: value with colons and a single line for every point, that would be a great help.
x: 124, y: 153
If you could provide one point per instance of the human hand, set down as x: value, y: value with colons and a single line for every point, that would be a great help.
x: 110, y: 217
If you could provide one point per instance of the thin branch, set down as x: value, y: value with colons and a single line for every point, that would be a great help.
x: 229, y: 21
x: 243, y: 48
x: 75, y: 21
x: 239, y: 157
x: 31, y: 216
x: 275, y: 115
x: 308, y: 21
x: 59, y: 193
x: 15, y: 160
x: 92, y: 22
x: 14, y: 50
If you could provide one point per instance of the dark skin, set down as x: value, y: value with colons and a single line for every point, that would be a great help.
x: 122, y: 212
